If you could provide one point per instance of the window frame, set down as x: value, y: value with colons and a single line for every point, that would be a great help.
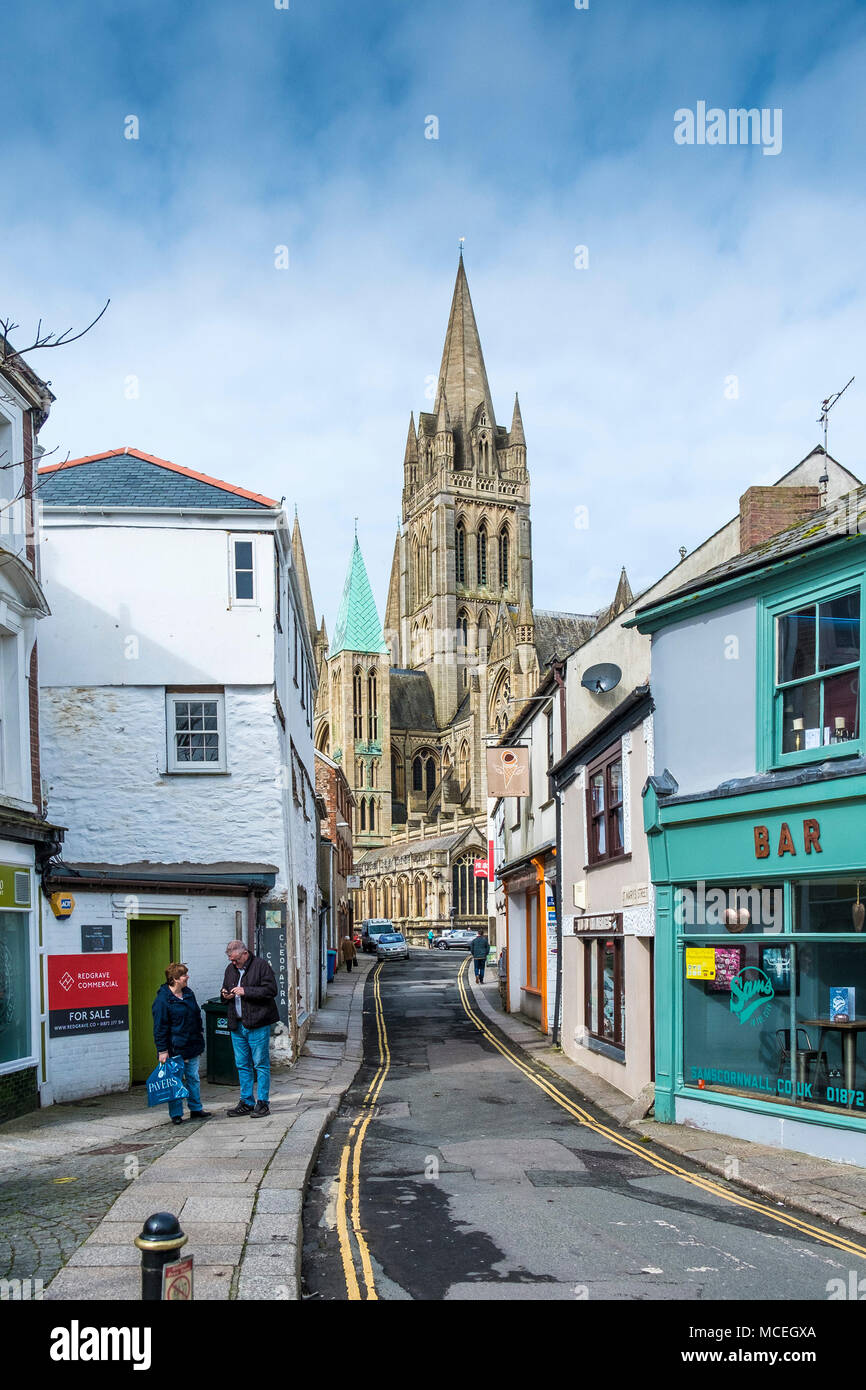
x: 590, y: 1022
x: 603, y: 763
x: 173, y: 765
x: 770, y: 699
x: 246, y: 538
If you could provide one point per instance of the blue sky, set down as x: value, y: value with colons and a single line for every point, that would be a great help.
x: 305, y: 127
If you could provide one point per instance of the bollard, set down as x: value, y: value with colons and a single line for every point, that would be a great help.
x: 160, y: 1239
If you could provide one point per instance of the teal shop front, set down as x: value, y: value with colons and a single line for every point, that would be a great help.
x: 761, y: 961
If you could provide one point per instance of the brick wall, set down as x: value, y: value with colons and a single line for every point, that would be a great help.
x: 19, y: 1093
x: 765, y: 511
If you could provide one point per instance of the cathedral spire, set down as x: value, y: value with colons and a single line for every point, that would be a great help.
x: 462, y: 376
x: 358, y: 628
x: 517, y: 436
x: 411, y: 455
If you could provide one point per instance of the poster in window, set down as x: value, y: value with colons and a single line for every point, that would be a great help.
x: 776, y: 964
x: 729, y: 962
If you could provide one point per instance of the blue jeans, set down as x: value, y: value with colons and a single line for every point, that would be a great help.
x: 191, y: 1082
x: 252, y: 1049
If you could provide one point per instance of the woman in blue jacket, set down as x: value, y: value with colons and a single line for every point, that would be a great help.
x: 177, y: 1032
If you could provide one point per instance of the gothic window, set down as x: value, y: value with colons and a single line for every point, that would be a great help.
x: 424, y: 772
x: 418, y: 775
x: 425, y: 564
x: 357, y: 717
x: 462, y: 629
x: 419, y: 897
x: 460, y: 553
x: 483, y: 637
x: 372, y: 814
x: 402, y: 898
x: 481, y: 540
x: 372, y: 708
x: 397, y: 778
x: 363, y: 813
x: 374, y: 771
x: 503, y: 557
x: 323, y: 742
x: 371, y: 900
x: 463, y: 765
x: 386, y: 899
x: 416, y: 572
x: 469, y: 892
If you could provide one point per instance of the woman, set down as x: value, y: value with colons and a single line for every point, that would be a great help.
x: 177, y: 1032
x: 347, y: 948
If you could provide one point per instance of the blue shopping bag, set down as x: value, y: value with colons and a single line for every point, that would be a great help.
x: 166, y: 1082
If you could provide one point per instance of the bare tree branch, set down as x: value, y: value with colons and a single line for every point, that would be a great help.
x: 42, y: 340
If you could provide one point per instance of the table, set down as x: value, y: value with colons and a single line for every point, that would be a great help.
x: 849, y: 1033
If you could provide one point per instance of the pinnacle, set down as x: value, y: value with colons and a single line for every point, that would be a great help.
x: 462, y: 375
x: 517, y: 435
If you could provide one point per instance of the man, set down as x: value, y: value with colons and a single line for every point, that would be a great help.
x: 250, y: 988
x: 479, y: 949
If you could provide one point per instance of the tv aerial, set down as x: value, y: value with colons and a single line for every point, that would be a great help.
x: 601, y: 678
x: 826, y: 407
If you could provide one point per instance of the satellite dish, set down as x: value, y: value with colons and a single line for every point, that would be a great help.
x: 605, y: 676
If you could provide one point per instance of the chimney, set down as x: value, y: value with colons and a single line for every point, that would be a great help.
x: 765, y: 511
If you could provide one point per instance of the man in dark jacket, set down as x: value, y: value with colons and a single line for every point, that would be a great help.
x: 479, y: 949
x: 250, y: 988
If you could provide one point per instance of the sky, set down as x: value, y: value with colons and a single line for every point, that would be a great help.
x: 680, y: 358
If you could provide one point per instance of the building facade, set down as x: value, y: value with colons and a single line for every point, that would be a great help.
x: 755, y: 821
x: 27, y: 838
x: 177, y: 697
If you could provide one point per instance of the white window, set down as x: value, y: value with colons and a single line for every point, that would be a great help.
x: 196, y: 732
x: 12, y: 696
x: 243, y: 569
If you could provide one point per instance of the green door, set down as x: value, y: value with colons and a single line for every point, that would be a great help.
x: 152, y: 943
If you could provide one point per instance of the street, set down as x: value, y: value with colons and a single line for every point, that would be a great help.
x: 458, y: 1168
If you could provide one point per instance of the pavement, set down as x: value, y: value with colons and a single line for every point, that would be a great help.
x: 236, y: 1185
x: 835, y: 1192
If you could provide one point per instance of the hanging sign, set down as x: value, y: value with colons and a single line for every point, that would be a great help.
x: 479, y: 868
x: 507, y: 772
x: 177, y: 1280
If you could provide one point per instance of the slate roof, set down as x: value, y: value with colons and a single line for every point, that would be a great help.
x: 358, y: 628
x: 412, y: 704
x: 844, y: 518
x: 128, y: 478
x: 407, y: 849
x: 560, y: 633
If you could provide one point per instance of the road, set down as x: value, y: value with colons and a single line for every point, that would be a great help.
x: 460, y: 1169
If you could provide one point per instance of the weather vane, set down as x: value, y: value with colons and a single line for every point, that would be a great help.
x: 462, y: 239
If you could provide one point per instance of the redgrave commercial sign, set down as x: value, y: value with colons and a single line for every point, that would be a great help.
x: 87, y: 994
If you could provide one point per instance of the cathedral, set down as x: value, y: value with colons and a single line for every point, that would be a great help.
x: 407, y: 708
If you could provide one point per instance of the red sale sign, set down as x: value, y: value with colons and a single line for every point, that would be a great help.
x: 87, y: 993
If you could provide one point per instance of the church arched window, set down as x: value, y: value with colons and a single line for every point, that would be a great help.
x: 424, y: 772
x: 469, y: 892
x: 372, y: 707
x: 363, y: 814
x: 481, y: 540
x: 372, y: 814
x: 503, y: 557
x: 463, y: 765
x: 460, y: 553
x: 357, y: 695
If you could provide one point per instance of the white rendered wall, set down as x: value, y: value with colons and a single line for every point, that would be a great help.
x: 104, y: 760
x: 138, y: 603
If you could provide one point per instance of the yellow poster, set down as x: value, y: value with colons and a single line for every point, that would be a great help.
x: 700, y: 963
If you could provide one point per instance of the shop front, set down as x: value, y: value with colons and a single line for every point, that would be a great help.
x: 761, y: 960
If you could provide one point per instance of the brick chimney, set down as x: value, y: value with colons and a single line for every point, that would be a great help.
x: 765, y: 511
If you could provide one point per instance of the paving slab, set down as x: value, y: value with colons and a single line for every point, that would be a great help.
x: 266, y: 1229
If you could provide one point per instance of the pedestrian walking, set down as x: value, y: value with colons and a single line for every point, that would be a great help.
x: 479, y: 949
x: 178, y: 1032
x: 430, y: 939
x: 250, y: 987
x: 350, y: 955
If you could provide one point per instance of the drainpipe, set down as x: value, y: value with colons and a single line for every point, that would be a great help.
x: 557, y: 888
x: 252, y: 914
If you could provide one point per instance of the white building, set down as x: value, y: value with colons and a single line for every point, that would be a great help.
x: 177, y: 695
x: 27, y: 840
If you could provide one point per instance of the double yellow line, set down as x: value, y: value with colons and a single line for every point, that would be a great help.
x: 349, y: 1188
x: 654, y: 1160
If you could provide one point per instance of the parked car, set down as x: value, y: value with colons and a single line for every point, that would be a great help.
x: 392, y: 946
x: 371, y: 929
x: 460, y: 939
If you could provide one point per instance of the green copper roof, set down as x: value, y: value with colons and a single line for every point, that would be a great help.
x: 358, y: 628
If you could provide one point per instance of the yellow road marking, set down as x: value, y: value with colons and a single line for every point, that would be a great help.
x: 654, y: 1160
x: 352, y: 1152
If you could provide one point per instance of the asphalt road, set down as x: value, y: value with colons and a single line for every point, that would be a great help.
x: 471, y: 1183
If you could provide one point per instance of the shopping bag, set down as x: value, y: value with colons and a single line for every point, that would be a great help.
x: 166, y: 1082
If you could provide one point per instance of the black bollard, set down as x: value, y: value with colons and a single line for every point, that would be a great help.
x: 160, y: 1240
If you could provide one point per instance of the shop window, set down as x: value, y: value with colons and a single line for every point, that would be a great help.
x: 604, y: 809
x: 816, y: 695
x: 15, y: 1042
x: 778, y: 1014
x: 604, y: 989
x: 196, y: 733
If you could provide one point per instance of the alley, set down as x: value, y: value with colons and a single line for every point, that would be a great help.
x: 458, y: 1168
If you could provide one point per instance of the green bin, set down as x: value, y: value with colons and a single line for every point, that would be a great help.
x: 221, y: 1069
